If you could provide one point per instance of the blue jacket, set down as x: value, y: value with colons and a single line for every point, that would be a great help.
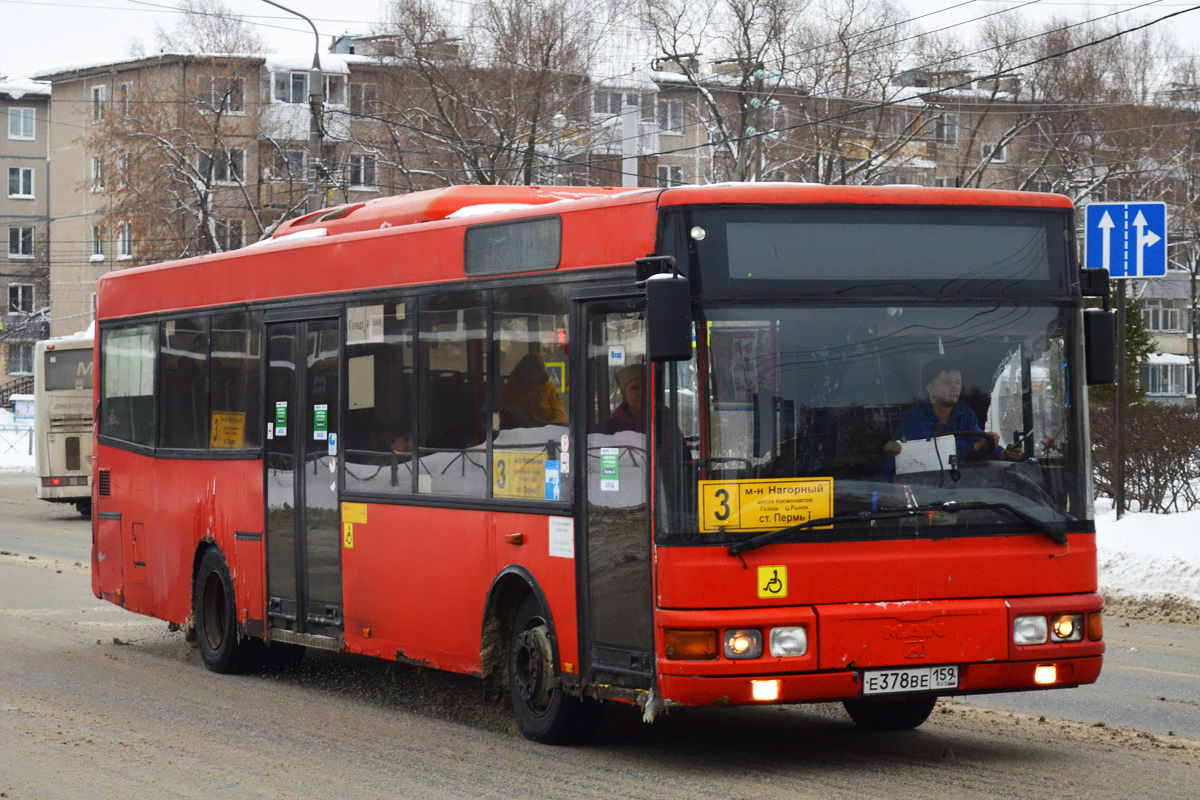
x: 920, y: 422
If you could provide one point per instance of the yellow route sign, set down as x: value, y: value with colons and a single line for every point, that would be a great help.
x: 763, y: 505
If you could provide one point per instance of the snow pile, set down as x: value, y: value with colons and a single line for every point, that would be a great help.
x: 1149, y: 555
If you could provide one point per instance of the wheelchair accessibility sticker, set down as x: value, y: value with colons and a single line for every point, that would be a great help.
x: 772, y: 581
x: 763, y: 505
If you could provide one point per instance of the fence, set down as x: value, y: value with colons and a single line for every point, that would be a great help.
x: 15, y: 441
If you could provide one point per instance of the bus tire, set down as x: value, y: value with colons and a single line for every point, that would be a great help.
x: 84, y: 507
x: 890, y: 713
x: 214, y: 610
x: 544, y: 712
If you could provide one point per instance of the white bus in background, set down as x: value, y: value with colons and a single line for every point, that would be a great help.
x: 62, y: 388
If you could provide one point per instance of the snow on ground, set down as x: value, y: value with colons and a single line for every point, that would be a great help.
x: 1149, y: 555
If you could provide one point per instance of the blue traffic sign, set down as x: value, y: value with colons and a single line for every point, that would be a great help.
x: 1127, y: 239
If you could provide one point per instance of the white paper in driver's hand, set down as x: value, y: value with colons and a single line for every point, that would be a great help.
x: 925, y: 455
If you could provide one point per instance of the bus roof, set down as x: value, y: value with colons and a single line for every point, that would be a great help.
x: 354, y: 247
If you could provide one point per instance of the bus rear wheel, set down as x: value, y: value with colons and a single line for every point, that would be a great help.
x: 890, y: 713
x: 544, y: 712
x: 84, y: 507
x: 214, y: 610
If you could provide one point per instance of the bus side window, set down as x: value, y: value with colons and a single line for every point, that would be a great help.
x: 183, y: 367
x: 127, y: 394
x: 235, y: 381
x: 451, y: 430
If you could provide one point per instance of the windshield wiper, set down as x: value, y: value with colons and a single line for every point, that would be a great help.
x: 755, y: 542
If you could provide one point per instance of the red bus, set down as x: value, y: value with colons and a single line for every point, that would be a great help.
x: 695, y: 446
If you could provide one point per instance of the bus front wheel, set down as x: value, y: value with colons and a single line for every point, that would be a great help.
x: 215, y: 613
x: 890, y: 713
x: 544, y: 712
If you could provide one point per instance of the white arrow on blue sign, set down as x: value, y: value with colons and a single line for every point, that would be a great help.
x: 1127, y: 239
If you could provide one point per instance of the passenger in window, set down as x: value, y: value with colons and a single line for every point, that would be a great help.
x: 402, y: 444
x: 529, y: 398
x: 631, y: 414
x: 943, y: 410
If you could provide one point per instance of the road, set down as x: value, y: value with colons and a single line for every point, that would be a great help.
x: 95, y: 701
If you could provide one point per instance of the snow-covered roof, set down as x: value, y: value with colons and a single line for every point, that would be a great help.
x: 1176, y: 286
x: 148, y: 59
x: 16, y: 88
x: 1168, y: 358
x: 301, y: 62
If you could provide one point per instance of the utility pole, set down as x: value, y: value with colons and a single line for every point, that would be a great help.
x: 316, y: 103
x: 1122, y: 357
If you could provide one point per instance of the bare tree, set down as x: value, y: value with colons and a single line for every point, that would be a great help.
x: 209, y: 26
x: 478, y: 108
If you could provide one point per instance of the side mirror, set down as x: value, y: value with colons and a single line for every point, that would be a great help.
x: 1093, y: 283
x: 668, y: 317
x: 1099, y: 342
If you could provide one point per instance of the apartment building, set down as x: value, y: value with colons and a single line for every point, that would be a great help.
x: 175, y: 155
x: 24, y: 218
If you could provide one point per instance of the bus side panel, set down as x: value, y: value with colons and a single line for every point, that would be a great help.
x: 552, y: 564
x: 174, y: 504
x: 865, y: 572
x: 414, y: 583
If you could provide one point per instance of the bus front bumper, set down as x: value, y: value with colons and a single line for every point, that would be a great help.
x: 690, y: 690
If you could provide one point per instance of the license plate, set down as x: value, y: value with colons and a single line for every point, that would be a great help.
x: 910, y: 679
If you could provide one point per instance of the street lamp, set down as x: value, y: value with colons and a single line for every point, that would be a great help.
x: 559, y: 121
x: 316, y: 101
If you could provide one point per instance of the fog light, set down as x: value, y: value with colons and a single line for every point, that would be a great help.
x: 789, y: 641
x: 1029, y: 630
x: 764, y: 691
x: 1066, y: 628
x: 744, y: 643
x: 692, y: 645
x: 1045, y: 673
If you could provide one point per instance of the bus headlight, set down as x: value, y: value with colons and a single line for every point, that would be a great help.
x: 789, y: 641
x: 1029, y: 630
x: 743, y: 643
x: 1066, y: 628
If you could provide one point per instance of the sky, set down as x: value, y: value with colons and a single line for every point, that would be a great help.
x: 41, y: 35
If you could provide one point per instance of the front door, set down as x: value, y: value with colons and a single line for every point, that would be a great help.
x: 304, y: 566
x: 618, y: 593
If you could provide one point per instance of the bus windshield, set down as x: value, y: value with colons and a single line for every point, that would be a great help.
x: 786, y: 414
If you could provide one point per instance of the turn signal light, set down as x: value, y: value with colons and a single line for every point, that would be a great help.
x: 691, y: 645
x: 1095, y: 626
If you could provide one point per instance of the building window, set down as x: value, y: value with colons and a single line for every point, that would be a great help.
x: 123, y: 92
x: 20, y: 242
x: 289, y: 164
x: 670, y: 175
x: 1045, y: 187
x: 20, y: 359
x: 229, y: 167
x: 778, y: 176
x: 609, y: 102
x: 223, y: 93
x: 335, y: 90
x: 97, y: 173
x: 229, y: 234
x: 1166, y: 316
x: 946, y: 129
x: 123, y: 162
x: 995, y: 152
x: 20, y: 182
x: 291, y: 87
x: 97, y: 243
x: 1169, y: 379
x: 362, y: 171
x: 20, y: 123
x: 670, y: 114
x: 124, y: 241
x: 20, y: 298
x: 945, y: 183
x: 99, y: 100
x: 362, y: 98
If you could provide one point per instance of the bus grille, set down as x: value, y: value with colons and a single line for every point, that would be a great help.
x: 105, y: 483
